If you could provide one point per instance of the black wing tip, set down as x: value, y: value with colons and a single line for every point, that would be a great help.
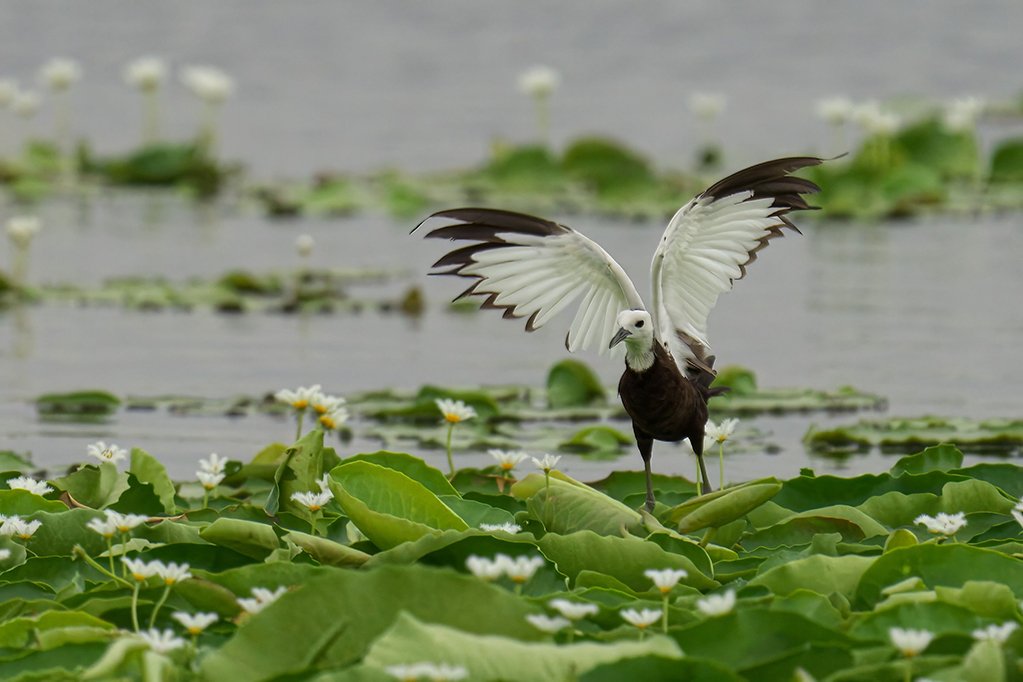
x: 772, y: 179
x: 492, y: 219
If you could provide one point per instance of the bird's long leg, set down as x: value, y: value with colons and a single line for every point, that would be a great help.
x: 697, y: 443
x: 646, y: 447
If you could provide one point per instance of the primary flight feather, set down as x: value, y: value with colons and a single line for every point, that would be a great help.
x: 535, y: 268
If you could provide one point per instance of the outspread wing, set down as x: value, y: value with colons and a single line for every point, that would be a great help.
x: 536, y: 268
x: 709, y: 243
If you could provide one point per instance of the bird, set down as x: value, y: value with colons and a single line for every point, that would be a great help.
x: 534, y: 268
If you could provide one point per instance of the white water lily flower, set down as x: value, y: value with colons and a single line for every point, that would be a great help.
x: 104, y: 527
x: 409, y: 672
x: 719, y: 433
x: 521, y: 568
x: 195, y: 623
x: 485, y: 569
x: 1017, y: 512
x: 666, y: 579
x: 707, y: 104
x: 300, y: 398
x: 173, y: 573
x: 145, y: 73
x: 539, y: 81
x: 30, y: 484
x: 333, y: 420
x: 322, y: 403
x: 261, y: 598
x: 547, y: 463
x: 910, y: 642
x: 161, y: 642
x: 60, y: 73
x: 124, y: 523
x: 507, y: 459
x: 305, y: 244
x: 213, y: 464
x: 21, y: 229
x: 25, y: 104
x: 835, y: 110
x: 874, y: 120
x: 442, y: 672
x: 996, y: 633
x: 5, y: 554
x: 640, y: 618
x: 504, y: 528
x: 208, y: 83
x: 717, y: 604
x: 455, y: 411
x: 142, y: 570
x: 15, y: 526
x: 8, y: 91
x: 961, y: 114
x: 209, y: 480
x: 548, y: 624
x: 106, y: 453
x: 313, y: 501
x: 436, y: 672
x: 942, y: 523
x: 573, y: 610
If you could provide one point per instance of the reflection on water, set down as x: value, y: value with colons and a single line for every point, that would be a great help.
x: 916, y: 311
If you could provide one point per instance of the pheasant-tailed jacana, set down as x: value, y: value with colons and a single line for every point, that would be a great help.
x: 535, y: 268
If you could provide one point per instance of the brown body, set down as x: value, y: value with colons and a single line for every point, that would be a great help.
x: 664, y: 405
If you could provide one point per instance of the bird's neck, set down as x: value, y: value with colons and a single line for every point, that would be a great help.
x: 639, y: 354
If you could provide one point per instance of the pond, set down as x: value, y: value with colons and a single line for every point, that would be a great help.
x: 921, y: 312
x: 906, y: 310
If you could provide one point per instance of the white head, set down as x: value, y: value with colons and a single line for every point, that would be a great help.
x: 636, y: 329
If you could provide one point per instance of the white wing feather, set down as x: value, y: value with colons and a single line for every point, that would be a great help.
x: 539, y: 275
x: 700, y: 255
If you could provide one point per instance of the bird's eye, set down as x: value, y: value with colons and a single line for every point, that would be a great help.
x: 639, y: 323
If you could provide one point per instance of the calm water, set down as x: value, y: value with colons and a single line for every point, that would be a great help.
x: 922, y: 312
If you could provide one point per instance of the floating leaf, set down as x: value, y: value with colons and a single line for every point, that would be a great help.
x: 388, y: 506
x: 491, y: 657
x: 571, y: 383
x: 80, y: 404
x: 568, y: 506
x: 722, y: 506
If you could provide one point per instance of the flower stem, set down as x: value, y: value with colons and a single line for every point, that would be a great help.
x: 698, y: 479
x: 314, y: 518
x: 99, y: 567
x: 721, y: 464
x: 451, y: 462
x: 298, y: 431
x: 205, y: 497
x: 159, y: 604
x: 664, y: 615
x: 110, y: 553
x: 135, y: 606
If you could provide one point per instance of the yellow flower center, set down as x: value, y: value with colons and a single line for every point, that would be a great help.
x: 320, y: 409
x: 314, y: 507
x: 300, y: 404
x: 664, y: 590
x: 507, y: 466
x: 453, y: 418
x: 194, y: 630
x: 328, y: 423
x: 139, y: 577
x: 25, y: 536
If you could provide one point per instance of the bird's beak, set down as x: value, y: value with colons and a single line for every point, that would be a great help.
x: 619, y: 337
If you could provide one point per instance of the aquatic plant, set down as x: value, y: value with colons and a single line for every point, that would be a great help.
x: 540, y: 82
x: 147, y: 75
x: 213, y: 87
